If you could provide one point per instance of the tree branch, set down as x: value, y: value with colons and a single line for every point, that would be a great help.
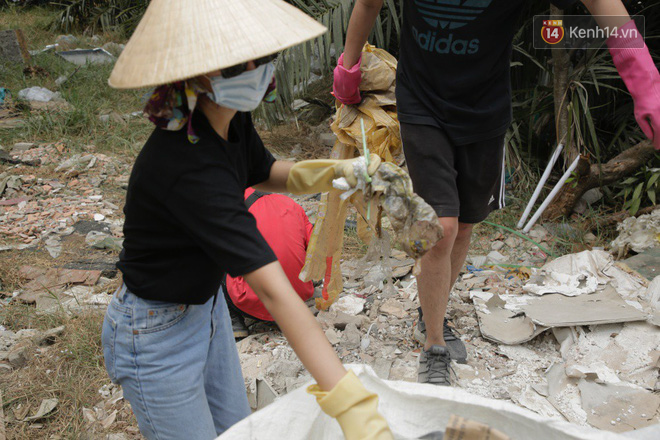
x: 596, y: 175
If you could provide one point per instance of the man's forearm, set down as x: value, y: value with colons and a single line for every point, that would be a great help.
x: 362, y: 21
x: 297, y: 323
x: 609, y: 14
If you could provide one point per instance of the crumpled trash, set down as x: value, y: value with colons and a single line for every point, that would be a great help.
x: 39, y: 94
x: 45, y: 409
x: 100, y: 240
x: 377, y: 109
x: 412, y: 219
x: 376, y: 265
x: 637, y: 234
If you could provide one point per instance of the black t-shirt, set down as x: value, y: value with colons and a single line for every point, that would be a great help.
x: 186, y: 220
x: 454, y: 65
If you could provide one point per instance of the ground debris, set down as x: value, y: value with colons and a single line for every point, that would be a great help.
x: 637, y: 234
x: 35, y: 208
x: 544, y: 372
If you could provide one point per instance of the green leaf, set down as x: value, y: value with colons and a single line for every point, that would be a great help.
x: 651, y: 194
x: 338, y: 31
x: 635, y: 206
x: 638, y: 191
x: 395, y: 16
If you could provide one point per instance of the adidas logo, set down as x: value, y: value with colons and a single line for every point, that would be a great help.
x: 429, y: 41
x: 450, y: 14
x: 492, y: 199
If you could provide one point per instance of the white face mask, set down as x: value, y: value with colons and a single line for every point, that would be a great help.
x: 243, y: 92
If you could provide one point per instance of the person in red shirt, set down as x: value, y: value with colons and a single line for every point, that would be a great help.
x: 286, y: 228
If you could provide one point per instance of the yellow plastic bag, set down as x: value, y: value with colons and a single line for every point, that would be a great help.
x: 378, y: 110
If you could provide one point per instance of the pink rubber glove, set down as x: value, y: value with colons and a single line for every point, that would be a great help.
x: 346, y: 85
x: 635, y: 65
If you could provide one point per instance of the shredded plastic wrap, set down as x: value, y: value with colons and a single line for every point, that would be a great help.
x: 415, y: 223
x: 377, y: 109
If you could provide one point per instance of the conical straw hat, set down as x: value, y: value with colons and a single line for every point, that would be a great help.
x: 181, y: 39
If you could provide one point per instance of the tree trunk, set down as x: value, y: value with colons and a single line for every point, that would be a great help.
x: 560, y: 68
x: 596, y: 175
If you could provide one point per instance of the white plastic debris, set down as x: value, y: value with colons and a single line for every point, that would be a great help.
x: 360, y: 171
x: 81, y: 57
x: 349, y: 304
x: 40, y: 94
x: 571, y: 275
x: 638, y: 233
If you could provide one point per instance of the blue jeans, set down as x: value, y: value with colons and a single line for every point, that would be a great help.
x: 177, y: 364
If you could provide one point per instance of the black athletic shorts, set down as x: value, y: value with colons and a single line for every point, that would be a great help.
x: 464, y: 181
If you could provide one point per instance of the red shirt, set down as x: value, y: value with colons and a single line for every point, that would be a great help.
x: 286, y: 228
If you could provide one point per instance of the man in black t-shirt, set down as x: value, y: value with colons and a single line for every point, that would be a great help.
x: 454, y: 104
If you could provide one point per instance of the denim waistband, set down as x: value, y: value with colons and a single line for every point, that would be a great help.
x: 123, y: 300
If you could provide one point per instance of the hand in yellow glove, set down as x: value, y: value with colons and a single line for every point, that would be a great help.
x: 312, y: 176
x: 355, y: 408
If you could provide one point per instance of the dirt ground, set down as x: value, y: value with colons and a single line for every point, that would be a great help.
x: 65, y: 215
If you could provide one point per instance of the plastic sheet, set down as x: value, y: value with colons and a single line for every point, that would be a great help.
x: 412, y: 411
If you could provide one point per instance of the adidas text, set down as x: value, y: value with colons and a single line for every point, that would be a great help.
x: 429, y: 41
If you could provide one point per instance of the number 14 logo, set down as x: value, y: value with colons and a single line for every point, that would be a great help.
x: 552, y: 31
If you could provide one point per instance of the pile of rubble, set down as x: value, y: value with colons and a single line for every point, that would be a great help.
x: 35, y: 208
x: 599, y: 370
x: 576, y: 338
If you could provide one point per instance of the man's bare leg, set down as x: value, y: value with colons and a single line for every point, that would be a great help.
x: 440, y: 269
x: 460, y: 249
x: 434, y: 282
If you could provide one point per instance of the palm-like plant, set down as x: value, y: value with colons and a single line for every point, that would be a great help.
x: 294, y: 67
x: 93, y: 15
x: 600, y: 110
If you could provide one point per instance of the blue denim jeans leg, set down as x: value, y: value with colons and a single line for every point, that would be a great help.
x: 177, y: 364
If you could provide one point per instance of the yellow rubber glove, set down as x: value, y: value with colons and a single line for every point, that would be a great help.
x: 312, y: 176
x: 355, y: 408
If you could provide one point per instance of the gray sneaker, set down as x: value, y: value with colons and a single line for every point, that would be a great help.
x: 456, y: 346
x: 434, y: 366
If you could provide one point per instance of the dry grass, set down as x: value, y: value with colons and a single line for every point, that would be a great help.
x: 354, y: 248
x: 71, y: 370
x: 295, y: 141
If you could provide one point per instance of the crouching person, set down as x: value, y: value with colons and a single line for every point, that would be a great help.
x: 167, y: 336
x: 284, y: 225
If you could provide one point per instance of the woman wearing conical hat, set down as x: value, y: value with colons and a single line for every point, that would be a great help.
x: 167, y: 336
